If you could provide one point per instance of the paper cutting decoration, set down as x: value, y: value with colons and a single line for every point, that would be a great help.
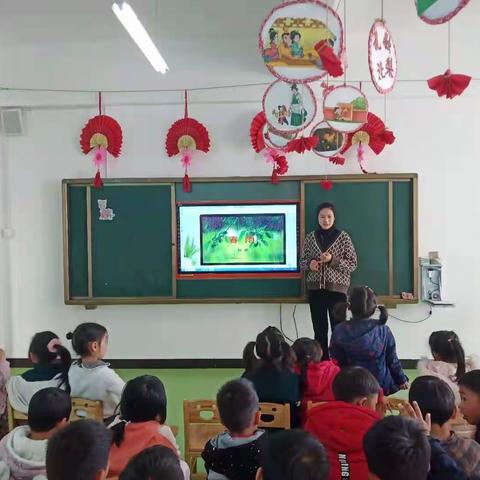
x: 293, y: 37
x: 435, y: 12
x: 449, y: 84
x: 382, y: 57
x: 185, y: 137
x: 289, y: 107
x: 101, y: 134
x: 330, y: 142
x: 345, y: 108
x: 106, y: 214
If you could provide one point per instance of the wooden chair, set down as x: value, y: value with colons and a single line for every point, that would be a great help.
x: 201, y: 422
x: 15, y: 418
x: 83, y: 408
x: 395, y: 405
x: 275, y: 415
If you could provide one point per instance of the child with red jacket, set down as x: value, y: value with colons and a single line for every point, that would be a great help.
x: 316, y: 376
x: 341, y: 425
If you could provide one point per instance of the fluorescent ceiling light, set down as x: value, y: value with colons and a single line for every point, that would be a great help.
x: 134, y: 27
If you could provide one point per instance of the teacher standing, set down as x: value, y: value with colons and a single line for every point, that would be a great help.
x: 328, y: 257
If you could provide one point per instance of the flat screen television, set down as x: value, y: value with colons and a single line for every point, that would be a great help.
x: 246, y: 239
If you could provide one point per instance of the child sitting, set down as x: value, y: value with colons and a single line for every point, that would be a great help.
x: 294, y: 455
x: 51, y: 362
x: 235, y: 454
x: 79, y: 452
x: 23, y: 450
x: 448, y: 362
x: 154, y: 463
x: 341, y: 425
x: 90, y: 377
x: 469, y: 386
x: 269, y: 364
x: 143, y: 411
x: 435, y: 397
x: 316, y: 377
x: 368, y: 343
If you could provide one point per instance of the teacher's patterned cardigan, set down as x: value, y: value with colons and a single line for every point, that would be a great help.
x: 334, y: 276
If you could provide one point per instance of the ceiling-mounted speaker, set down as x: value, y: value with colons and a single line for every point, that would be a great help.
x: 12, y: 121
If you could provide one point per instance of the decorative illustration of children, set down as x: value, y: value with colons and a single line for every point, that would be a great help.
x: 271, y: 53
x: 282, y: 114
x: 285, y: 47
x: 297, y: 49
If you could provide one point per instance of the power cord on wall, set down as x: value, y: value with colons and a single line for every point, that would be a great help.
x: 294, y: 323
x: 430, y: 312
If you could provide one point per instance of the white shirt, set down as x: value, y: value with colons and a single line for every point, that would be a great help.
x: 96, y: 383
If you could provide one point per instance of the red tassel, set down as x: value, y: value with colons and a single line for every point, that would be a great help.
x: 275, y: 177
x: 326, y: 184
x: 187, y: 186
x: 98, y: 182
x: 331, y: 63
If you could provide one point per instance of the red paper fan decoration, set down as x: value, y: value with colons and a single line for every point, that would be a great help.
x: 374, y: 134
x: 184, y: 137
x: 303, y: 144
x: 102, y: 134
x: 449, y: 84
x: 256, y: 132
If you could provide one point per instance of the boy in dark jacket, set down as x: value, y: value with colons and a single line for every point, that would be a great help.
x: 341, y: 425
x: 368, y: 343
x: 397, y: 448
x: 236, y: 453
x: 434, y: 396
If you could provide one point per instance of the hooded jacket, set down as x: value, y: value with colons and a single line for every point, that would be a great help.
x: 371, y: 345
x: 340, y: 427
x: 22, y: 458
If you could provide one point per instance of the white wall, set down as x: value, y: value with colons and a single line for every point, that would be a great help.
x: 436, y: 138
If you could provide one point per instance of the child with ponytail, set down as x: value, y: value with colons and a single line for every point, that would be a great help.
x: 369, y: 343
x: 89, y: 376
x: 51, y: 362
x: 269, y: 365
x: 143, y: 412
x: 449, y: 362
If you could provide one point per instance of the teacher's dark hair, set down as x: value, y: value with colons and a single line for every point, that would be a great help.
x: 328, y: 205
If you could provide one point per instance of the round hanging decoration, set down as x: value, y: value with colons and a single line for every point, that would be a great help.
x: 382, y: 57
x: 330, y: 141
x: 101, y: 134
x: 345, y: 108
x: 289, y: 107
x: 276, y: 139
x: 435, y: 12
x: 301, y: 41
x: 185, y: 137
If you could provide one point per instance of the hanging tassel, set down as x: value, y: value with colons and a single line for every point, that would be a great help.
x: 331, y: 63
x: 275, y: 177
x: 337, y: 159
x: 361, y: 157
x: 187, y: 186
x: 98, y: 182
x: 99, y: 156
x: 326, y: 184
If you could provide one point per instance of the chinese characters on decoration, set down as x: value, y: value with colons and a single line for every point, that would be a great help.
x: 382, y: 57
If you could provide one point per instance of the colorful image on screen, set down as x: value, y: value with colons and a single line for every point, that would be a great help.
x: 238, y: 238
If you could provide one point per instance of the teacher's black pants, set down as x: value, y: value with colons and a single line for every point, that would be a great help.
x: 322, y: 306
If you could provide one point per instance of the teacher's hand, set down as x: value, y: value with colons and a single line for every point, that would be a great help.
x: 314, y: 265
x: 326, y: 257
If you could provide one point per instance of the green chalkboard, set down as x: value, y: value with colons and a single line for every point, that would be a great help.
x: 132, y: 257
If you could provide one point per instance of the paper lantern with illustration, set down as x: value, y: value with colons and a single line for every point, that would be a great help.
x: 301, y: 41
x: 101, y: 134
x: 185, y: 137
x: 449, y: 84
x: 373, y: 134
x: 436, y: 12
x: 345, y: 108
x: 382, y: 57
x: 289, y: 107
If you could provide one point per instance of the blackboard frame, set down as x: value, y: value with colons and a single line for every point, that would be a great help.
x: 90, y: 301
